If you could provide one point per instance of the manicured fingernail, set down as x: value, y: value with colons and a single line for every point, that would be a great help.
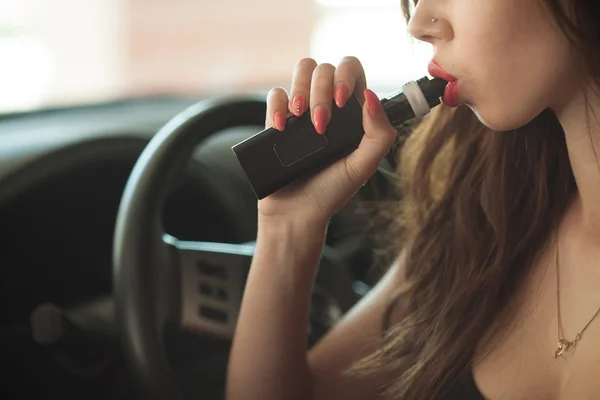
x: 321, y: 118
x: 341, y: 95
x: 299, y: 105
x: 279, y: 120
x: 373, y: 103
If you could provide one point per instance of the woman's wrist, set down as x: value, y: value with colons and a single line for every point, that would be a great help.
x: 292, y: 227
x: 291, y: 247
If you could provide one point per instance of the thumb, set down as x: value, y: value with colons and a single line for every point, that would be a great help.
x: 379, y: 137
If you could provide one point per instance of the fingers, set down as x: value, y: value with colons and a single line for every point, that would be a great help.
x: 314, y: 87
x: 301, y: 82
x: 329, y: 82
x: 349, y: 78
x: 379, y: 137
x: 277, y: 109
x: 321, y: 95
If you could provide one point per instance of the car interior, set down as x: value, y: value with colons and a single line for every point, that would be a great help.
x: 60, y: 195
x: 127, y: 228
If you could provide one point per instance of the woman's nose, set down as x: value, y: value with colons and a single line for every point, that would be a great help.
x: 427, y: 27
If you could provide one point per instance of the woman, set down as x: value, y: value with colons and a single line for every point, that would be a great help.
x: 498, y: 239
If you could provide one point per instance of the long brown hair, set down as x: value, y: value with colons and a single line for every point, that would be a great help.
x: 477, y: 208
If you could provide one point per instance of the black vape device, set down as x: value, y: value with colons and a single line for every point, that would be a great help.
x: 272, y: 159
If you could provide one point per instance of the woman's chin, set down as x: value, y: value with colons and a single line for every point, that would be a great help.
x: 479, y: 116
x: 496, y: 122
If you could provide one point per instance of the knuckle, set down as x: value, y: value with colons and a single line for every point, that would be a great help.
x: 324, y: 75
x: 303, y: 73
x: 276, y: 93
x: 350, y: 70
x: 325, y: 68
x: 351, y: 60
x: 306, y: 62
x: 276, y: 98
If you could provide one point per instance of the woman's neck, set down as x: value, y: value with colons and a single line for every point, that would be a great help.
x: 581, y: 123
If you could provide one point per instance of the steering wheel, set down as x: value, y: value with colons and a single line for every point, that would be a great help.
x: 160, y: 280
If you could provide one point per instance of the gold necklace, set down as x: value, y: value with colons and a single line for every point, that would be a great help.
x: 564, y: 344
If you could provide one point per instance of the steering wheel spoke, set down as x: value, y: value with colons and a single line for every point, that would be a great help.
x: 211, y: 284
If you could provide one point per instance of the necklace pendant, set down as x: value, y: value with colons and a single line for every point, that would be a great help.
x: 563, y: 346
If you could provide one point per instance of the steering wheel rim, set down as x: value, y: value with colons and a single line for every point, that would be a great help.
x: 142, y: 250
x: 138, y: 225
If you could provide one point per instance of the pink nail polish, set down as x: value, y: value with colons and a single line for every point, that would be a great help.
x: 279, y: 121
x: 373, y: 103
x: 341, y: 95
x: 321, y: 118
x: 299, y: 105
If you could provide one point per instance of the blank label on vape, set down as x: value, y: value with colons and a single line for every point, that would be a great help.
x: 299, y: 146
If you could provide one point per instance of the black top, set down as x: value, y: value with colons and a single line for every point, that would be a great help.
x: 471, y: 390
x: 464, y: 389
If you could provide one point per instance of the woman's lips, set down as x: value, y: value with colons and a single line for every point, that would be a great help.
x: 451, y: 91
x: 437, y: 71
x: 451, y: 94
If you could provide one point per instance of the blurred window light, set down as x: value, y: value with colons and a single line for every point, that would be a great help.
x: 358, y: 3
x: 26, y: 64
x: 374, y: 31
x: 58, y: 51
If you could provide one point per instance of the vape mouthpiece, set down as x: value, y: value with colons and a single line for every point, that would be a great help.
x: 415, y: 100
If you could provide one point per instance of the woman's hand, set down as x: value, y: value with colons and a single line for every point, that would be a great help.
x: 321, y: 195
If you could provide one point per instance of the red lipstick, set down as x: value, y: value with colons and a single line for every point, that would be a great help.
x: 451, y: 90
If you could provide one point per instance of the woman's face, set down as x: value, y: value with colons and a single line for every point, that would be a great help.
x: 509, y: 56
